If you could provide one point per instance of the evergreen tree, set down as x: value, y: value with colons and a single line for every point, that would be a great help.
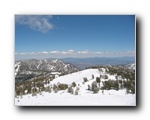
x: 85, y: 79
x: 92, y: 76
x: 74, y: 84
x: 95, y: 88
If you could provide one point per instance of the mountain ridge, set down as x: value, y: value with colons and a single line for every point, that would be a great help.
x: 33, y: 67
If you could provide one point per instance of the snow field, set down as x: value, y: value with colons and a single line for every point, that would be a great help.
x: 84, y: 97
x: 110, y: 98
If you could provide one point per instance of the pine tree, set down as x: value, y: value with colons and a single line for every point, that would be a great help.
x: 74, y: 84
x: 95, y: 88
x: 92, y: 76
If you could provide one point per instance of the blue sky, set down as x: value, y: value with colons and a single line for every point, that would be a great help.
x: 74, y: 36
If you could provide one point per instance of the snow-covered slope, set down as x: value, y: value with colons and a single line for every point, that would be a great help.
x: 109, y: 98
x: 84, y: 97
x: 131, y: 66
x: 77, y: 77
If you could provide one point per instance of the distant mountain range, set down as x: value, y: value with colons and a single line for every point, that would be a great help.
x: 82, y: 63
x: 51, y: 65
x: 28, y: 69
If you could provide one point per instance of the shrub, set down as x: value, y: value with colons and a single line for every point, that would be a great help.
x: 48, y: 89
x: 116, y: 85
x: 34, y: 90
x: 107, y: 85
x: 63, y: 86
x: 94, y: 84
x: 116, y: 77
x: 34, y: 94
x: 120, y: 82
x: 133, y: 90
x: 48, y: 82
x: 74, y: 84
x: 92, y: 76
x: 85, y: 79
x: 29, y: 90
x: 98, y: 80
x: 70, y: 90
x: 101, y: 76
x: 95, y: 88
x: 55, y: 88
x: 105, y: 77
x: 42, y: 88
x: 130, y: 87
x: 77, y: 90
x: 89, y: 87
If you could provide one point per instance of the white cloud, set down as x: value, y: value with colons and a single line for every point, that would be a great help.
x: 83, y: 52
x: 35, y: 22
x: 54, y: 52
x: 99, y: 52
x: 63, y: 52
x: 44, y: 52
x: 73, y: 53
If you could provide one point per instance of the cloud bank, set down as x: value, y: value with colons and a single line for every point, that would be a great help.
x: 35, y: 22
x: 72, y: 53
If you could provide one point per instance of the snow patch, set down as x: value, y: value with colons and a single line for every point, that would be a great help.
x: 17, y: 66
x: 109, y: 98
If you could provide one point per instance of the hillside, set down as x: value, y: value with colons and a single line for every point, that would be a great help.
x: 79, y: 88
x: 28, y: 69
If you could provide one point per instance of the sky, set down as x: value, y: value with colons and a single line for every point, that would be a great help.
x: 60, y: 36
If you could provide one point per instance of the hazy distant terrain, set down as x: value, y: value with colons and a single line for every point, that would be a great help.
x: 82, y: 63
